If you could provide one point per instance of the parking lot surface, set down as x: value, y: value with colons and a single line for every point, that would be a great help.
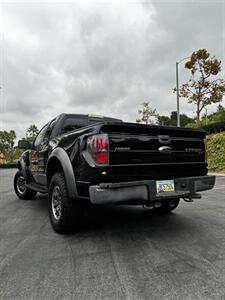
x: 122, y: 253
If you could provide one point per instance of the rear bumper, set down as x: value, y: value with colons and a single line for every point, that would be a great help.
x: 145, y: 191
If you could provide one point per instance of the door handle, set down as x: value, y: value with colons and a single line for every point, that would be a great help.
x: 34, y: 162
x: 164, y: 139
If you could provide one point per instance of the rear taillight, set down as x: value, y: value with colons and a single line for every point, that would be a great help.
x: 98, y: 147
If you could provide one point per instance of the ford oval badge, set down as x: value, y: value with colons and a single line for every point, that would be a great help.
x: 165, y: 149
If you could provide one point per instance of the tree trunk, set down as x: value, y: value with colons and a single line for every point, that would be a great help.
x: 198, y: 113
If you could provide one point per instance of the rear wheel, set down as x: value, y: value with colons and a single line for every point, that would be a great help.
x: 20, y: 187
x: 65, y: 214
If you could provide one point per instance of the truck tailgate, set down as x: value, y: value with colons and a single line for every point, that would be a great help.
x: 162, y: 149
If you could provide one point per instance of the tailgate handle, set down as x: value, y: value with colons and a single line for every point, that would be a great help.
x: 164, y: 139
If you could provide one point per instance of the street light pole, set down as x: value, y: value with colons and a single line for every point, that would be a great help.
x: 178, y: 96
x: 178, y: 100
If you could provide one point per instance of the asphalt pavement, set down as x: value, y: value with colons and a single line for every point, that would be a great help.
x: 122, y: 253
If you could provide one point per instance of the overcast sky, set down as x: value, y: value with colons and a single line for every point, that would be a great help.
x: 99, y: 57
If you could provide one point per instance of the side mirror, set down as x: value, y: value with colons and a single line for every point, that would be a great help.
x: 23, y: 144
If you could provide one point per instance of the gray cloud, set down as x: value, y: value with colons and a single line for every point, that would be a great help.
x: 99, y: 58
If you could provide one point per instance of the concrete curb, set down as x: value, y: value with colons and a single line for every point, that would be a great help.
x: 217, y: 174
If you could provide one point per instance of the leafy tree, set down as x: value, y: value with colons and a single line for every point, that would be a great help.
x: 184, y: 120
x: 16, y: 153
x: 146, y: 114
x: 202, y: 89
x: 31, y: 133
x: 220, y: 107
x: 164, y: 120
x: 172, y: 120
x: 7, y: 141
x: 212, y: 123
x: 218, y: 116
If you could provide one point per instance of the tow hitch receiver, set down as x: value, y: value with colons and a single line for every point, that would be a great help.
x: 192, y: 197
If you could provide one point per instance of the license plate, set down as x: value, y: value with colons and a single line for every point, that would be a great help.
x: 165, y: 186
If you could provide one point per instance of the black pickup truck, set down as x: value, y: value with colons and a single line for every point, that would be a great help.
x: 80, y: 159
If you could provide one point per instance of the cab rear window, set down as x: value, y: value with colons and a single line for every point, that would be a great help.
x: 73, y: 123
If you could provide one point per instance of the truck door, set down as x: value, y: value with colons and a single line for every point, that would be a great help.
x: 39, y: 154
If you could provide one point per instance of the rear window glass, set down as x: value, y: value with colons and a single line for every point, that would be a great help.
x: 73, y: 123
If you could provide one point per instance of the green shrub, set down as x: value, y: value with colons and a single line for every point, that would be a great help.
x: 216, y: 152
x: 8, y: 166
x: 215, y: 122
x: 192, y: 125
x: 211, y: 127
x: 214, y: 127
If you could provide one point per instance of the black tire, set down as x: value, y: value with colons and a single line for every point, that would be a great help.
x: 169, y: 205
x: 20, y: 187
x: 65, y: 214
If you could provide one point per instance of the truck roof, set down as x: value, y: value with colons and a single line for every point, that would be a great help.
x: 90, y: 116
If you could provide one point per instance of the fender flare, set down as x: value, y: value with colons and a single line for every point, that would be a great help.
x: 70, y: 179
x: 22, y: 167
